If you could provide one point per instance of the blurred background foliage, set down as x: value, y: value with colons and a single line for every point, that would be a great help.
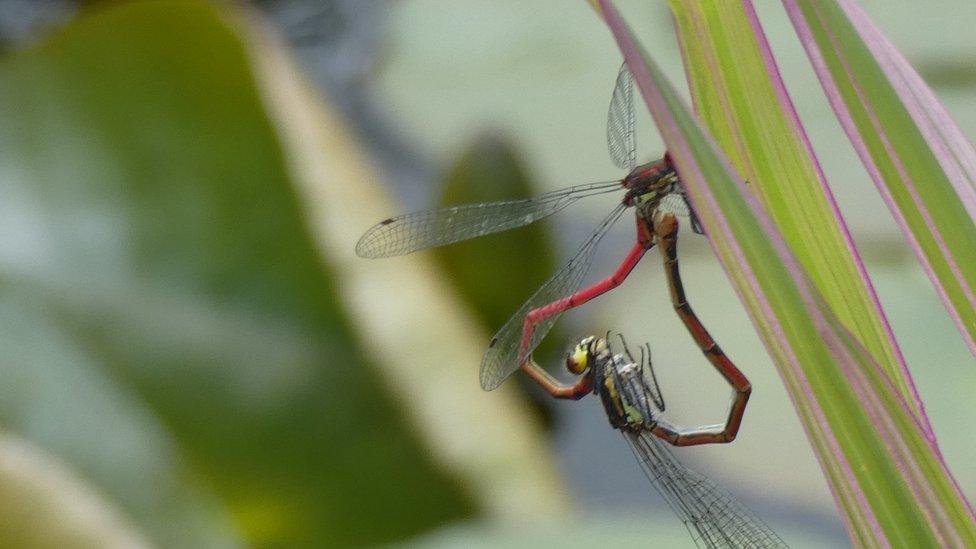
x: 488, y: 170
x: 158, y: 268
x: 496, y: 273
x: 192, y: 358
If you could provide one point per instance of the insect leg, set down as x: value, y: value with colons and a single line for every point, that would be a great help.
x: 666, y: 230
x: 553, y: 386
x: 575, y: 300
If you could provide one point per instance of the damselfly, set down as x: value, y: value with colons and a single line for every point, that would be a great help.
x: 653, y: 189
x: 633, y: 402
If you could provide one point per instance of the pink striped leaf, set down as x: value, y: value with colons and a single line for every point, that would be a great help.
x: 740, y: 97
x: 886, y: 476
x: 920, y: 161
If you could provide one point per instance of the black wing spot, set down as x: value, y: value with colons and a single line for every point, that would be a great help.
x: 494, y: 340
x: 386, y: 221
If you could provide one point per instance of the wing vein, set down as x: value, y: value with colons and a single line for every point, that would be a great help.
x: 712, y: 515
x: 420, y: 230
x: 501, y: 359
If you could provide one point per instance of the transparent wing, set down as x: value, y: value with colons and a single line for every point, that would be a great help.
x: 712, y: 515
x: 417, y: 231
x: 501, y: 359
x: 620, y: 122
x: 677, y: 203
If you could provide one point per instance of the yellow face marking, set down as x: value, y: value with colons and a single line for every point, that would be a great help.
x: 577, y: 361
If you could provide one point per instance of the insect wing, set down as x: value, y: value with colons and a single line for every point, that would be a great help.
x: 620, y: 122
x: 712, y: 515
x: 677, y: 203
x: 428, y: 229
x: 502, y: 357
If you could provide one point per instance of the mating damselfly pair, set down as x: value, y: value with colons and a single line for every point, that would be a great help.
x: 655, y: 191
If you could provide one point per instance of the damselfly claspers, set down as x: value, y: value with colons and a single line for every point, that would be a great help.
x: 653, y: 189
x: 633, y: 403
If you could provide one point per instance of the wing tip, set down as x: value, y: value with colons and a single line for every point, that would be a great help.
x: 488, y: 385
x: 366, y: 246
x: 363, y: 249
x: 489, y: 375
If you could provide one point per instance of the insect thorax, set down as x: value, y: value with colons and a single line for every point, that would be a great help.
x: 647, y: 196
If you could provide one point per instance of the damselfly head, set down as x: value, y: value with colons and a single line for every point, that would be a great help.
x: 649, y: 183
x: 584, y: 355
x: 580, y: 358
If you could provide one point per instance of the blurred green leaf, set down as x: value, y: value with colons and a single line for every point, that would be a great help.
x: 423, y: 340
x: 149, y: 219
x: 63, y: 398
x: 496, y: 273
x: 37, y: 490
x: 954, y: 73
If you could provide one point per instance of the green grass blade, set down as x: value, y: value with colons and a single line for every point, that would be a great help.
x: 920, y: 161
x: 888, y: 480
x: 739, y: 96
